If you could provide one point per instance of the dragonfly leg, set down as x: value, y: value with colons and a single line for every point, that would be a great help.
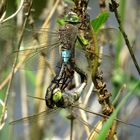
x: 82, y: 74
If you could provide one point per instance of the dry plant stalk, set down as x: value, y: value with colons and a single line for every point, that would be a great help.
x: 97, y: 76
x: 102, y: 4
x: 113, y: 8
x: 35, y: 134
x: 3, y: 19
x: 15, y: 62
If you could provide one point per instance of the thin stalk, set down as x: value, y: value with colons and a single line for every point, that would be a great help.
x: 125, y: 35
x: 71, y: 128
x: 24, y: 105
x: 51, y: 14
x: 96, y: 50
x: 16, y: 59
x: 22, y: 79
x: 2, y: 85
x: 35, y: 134
x: 118, y: 95
x: 102, y: 5
x: 120, y: 39
x: 2, y: 20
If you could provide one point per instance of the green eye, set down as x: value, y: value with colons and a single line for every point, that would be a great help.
x: 72, y: 17
x: 57, y: 95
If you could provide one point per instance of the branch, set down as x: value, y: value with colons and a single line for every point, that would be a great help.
x: 113, y: 8
x: 2, y: 20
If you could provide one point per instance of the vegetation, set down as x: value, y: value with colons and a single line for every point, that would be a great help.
x: 106, y: 53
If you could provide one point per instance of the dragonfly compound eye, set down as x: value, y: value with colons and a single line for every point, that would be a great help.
x: 72, y: 17
x: 57, y: 95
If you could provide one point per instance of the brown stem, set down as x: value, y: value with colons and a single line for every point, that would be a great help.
x: 15, y: 62
x: 102, y: 4
x: 113, y: 8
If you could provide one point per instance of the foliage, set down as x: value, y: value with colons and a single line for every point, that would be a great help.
x: 99, y: 21
x: 118, y: 70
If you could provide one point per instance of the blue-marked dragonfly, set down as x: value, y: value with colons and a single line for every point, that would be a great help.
x: 66, y: 73
x: 74, y: 110
x: 57, y: 94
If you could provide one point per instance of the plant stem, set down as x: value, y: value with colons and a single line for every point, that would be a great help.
x: 15, y: 62
x: 124, y: 35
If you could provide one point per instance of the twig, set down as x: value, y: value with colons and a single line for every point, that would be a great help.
x: 91, y: 50
x: 71, y: 127
x: 19, y: 43
x: 2, y: 85
x: 113, y: 8
x: 102, y: 4
x: 82, y: 113
x: 35, y: 134
x: 3, y: 118
x: 24, y: 104
x: 15, y: 62
x: 119, y: 94
x: 2, y: 20
x: 51, y: 13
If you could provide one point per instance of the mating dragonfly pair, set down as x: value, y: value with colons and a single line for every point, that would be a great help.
x: 54, y: 94
x: 68, y: 36
x: 59, y: 93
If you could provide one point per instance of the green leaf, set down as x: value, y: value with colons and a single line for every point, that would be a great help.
x: 99, y: 21
x: 109, y: 122
x: 61, y: 21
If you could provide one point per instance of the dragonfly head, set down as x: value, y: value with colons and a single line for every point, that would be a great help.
x: 72, y: 17
x: 57, y: 95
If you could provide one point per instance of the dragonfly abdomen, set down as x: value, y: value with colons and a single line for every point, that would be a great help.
x: 65, y: 54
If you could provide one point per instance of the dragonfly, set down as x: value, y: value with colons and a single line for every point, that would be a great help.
x: 59, y: 83
x: 33, y: 52
x: 69, y: 103
x: 69, y: 35
x: 69, y: 97
x: 58, y: 93
x: 57, y: 96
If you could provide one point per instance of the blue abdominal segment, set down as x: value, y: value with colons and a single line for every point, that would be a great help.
x: 66, y: 54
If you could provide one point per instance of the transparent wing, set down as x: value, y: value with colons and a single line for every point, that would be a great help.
x: 44, y: 50
x: 42, y: 30
x: 107, y: 41
x: 106, y: 56
x: 47, y: 113
x: 107, y: 36
x: 104, y: 116
x: 38, y: 58
x: 9, y: 31
x: 36, y: 117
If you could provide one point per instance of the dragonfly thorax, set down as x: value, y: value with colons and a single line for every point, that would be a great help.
x: 68, y: 35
